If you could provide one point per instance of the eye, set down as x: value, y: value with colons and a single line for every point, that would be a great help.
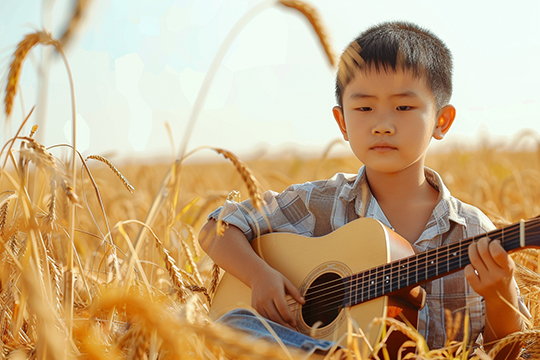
x: 404, y: 108
x: 364, y: 108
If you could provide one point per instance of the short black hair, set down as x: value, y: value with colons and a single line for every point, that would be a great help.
x: 399, y: 45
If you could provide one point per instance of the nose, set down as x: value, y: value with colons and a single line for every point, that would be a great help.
x: 383, y: 126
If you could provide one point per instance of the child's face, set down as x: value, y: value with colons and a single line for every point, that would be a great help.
x: 389, y: 119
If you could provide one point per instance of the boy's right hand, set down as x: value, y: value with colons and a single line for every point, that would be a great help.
x: 234, y: 254
x: 268, y: 296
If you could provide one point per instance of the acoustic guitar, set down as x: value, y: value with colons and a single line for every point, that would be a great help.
x: 357, y: 267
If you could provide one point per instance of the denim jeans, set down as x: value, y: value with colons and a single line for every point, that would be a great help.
x: 248, y: 322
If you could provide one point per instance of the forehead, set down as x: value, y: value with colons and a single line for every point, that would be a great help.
x: 387, y: 81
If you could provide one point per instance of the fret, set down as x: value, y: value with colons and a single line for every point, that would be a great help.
x: 403, y: 275
x: 352, y: 296
x: 464, y: 254
x: 413, y: 270
x: 422, y: 267
x: 431, y: 263
x: 364, y: 287
x: 379, y: 283
x: 372, y: 284
x: 454, y: 253
x: 443, y: 260
x: 387, y: 278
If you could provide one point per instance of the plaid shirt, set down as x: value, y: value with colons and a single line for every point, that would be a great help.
x: 320, y: 207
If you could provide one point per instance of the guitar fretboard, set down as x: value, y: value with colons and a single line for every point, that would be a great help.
x: 420, y: 268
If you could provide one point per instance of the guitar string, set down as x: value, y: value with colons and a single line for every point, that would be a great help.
x: 339, y: 303
x: 421, y: 259
x: 337, y: 300
x: 331, y: 298
x: 379, y: 288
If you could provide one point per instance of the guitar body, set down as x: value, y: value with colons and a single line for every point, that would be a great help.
x: 362, y: 244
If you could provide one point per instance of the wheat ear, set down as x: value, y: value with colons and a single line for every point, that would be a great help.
x: 249, y: 179
x: 410, y: 332
x: 5, y: 200
x: 51, y: 206
x: 188, y: 253
x: 517, y: 339
x: 315, y: 20
x: 175, y: 274
x: 74, y: 22
x: 126, y: 183
x: 216, y: 270
x: 19, y: 56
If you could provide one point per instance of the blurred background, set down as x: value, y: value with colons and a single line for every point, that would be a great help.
x: 138, y: 65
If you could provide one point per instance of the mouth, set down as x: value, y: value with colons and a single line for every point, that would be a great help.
x: 383, y: 147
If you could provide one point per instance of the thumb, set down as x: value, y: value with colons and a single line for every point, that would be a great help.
x: 293, y: 291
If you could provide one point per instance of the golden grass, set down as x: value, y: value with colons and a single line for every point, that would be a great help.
x: 72, y: 286
x: 177, y: 277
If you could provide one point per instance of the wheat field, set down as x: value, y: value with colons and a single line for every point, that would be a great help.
x: 101, y: 260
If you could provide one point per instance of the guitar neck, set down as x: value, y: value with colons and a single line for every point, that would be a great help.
x: 431, y: 264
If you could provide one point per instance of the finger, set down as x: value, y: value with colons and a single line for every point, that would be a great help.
x: 284, y: 311
x: 474, y: 257
x: 500, y: 256
x: 274, y: 315
x: 485, y: 254
x: 471, y: 275
x: 294, y: 292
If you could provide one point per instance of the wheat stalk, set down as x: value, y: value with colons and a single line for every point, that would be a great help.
x: 247, y: 176
x: 125, y: 181
x: 315, y: 20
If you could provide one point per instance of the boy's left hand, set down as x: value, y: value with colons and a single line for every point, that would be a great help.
x: 491, y: 271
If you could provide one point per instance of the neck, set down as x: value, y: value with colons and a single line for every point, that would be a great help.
x: 404, y: 186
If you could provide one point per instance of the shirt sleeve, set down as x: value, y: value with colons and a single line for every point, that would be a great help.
x: 285, y: 212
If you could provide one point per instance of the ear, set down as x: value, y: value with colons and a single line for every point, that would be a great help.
x: 445, y: 119
x: 340, y: 119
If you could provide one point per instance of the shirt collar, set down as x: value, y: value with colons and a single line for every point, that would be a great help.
x: 445, y: 210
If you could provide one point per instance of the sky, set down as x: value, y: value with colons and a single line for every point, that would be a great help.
x: 138, y: 66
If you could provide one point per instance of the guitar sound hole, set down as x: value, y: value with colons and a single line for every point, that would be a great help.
x: 324, y: 300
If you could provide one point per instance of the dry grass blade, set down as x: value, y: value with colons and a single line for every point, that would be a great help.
x: 313, y: 16
x: 15, y: 68
x: 249, y: 179
x: 126, y: 183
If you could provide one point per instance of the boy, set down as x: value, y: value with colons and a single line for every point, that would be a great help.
x: 393, y: 90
